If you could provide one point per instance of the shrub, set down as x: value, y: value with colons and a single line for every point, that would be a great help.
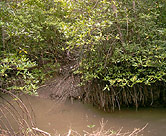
x: 16, y: 75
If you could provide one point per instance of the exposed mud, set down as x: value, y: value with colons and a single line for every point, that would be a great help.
x: 63, y: 86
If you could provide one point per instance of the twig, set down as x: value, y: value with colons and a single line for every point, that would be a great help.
x: 41, y: 131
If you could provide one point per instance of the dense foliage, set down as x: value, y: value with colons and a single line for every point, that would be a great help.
x: 123, y: 42
x: 118, y: 43
x: 29, y: 27
x: 15, y: 74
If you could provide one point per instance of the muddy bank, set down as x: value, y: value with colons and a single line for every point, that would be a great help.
x: 61, y: 88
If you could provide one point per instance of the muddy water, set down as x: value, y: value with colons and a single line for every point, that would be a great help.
x: 60, y: 118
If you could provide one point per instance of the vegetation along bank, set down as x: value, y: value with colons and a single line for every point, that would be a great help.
x: 111, y: 53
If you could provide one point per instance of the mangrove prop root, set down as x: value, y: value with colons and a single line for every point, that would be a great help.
x: 138, y: 95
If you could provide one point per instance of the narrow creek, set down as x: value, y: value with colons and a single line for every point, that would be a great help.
x: 52, y: 117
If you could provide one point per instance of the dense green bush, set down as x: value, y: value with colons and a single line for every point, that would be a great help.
x: 119, y: 43
x: 29, y: 27
x: 33, y: 26
x: 122, y: 42
x: 121, y: 47
x: 15, y: 74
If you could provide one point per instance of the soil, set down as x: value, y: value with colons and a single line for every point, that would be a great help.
x: 63, y: 86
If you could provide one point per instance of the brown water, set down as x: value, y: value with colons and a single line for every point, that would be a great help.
x: 60, y: 118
